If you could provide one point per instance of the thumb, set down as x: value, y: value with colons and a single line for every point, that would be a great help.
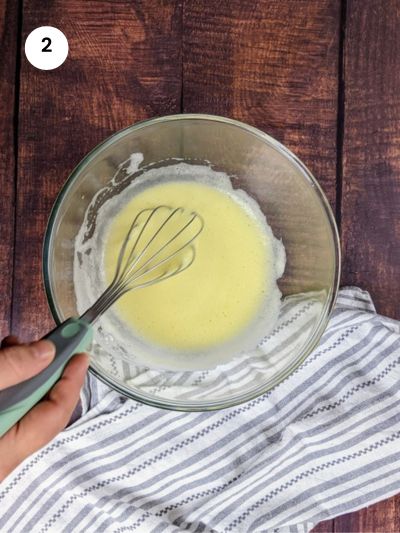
x: 18, y: 363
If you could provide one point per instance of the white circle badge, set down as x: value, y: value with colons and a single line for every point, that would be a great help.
x: 46, y: 48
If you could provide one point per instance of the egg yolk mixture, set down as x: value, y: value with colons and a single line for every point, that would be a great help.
x: 221, y: 293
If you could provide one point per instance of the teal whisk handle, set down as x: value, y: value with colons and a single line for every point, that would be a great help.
x: 71, y: 337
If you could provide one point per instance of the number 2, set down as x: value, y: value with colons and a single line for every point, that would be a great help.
x: 46, y: 47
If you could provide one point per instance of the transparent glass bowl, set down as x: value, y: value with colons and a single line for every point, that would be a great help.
x: 296, y: 209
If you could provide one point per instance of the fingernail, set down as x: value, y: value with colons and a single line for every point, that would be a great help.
x: 43, y: 349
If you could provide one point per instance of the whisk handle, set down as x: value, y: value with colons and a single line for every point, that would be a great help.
x: 71, y: 337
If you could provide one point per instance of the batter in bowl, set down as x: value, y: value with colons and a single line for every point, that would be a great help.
x: 228, y: 292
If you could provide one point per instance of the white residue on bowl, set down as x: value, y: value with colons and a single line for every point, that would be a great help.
x: 89, y: 276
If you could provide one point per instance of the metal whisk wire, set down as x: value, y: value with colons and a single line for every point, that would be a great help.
x: 129, y: 269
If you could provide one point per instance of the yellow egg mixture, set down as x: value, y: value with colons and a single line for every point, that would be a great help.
x: 221, y: 293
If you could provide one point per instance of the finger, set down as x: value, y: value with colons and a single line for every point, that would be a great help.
x: 50, y: 416
x: 21, y: 362
x: 11, y: 340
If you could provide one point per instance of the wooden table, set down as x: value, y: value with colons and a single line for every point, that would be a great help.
x: 321, y: 76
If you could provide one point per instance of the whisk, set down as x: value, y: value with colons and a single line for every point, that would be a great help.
x: 158, y: 245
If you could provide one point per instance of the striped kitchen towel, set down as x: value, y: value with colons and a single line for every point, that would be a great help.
x: 324, y: 442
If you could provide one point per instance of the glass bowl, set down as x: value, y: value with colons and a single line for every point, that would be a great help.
x: 296, y: 209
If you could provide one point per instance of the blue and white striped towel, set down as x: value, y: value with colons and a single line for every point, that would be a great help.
x: 322, y: 443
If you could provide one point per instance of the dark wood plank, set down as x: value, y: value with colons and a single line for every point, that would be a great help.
x: 256, y: 62
x: 8, y: 46
x: 324, y: 527
x: 371, y: 165
x: 371, y: 184
x: 272, y: 64
x: 124, y: 66
x: 383, y: 517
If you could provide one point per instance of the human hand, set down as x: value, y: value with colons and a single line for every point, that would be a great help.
x: 41, y: 424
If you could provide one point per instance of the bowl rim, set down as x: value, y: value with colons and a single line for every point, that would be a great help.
x: 239, y: 398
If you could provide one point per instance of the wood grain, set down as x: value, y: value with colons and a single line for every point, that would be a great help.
x: 8, y: 45
x: 271, y: 64
x: 383, y: 517
x: 371, y: 164
x: 371, y: 184
x: 324, y: 527
x: 123, y: 66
